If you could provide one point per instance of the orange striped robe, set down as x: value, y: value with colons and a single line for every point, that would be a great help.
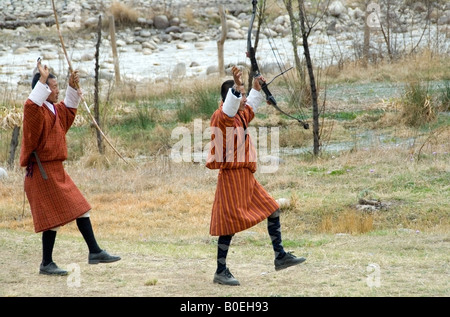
x: 240, y: 201
x: 56, y: 201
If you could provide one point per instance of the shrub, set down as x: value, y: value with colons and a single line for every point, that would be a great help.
x: 123, y: 15
x: 418, y: 107
x: 445, y: 97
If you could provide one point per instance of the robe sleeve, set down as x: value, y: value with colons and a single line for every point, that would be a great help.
x: 67, y: 110
x: 254, y: 99
x: 39, y: 94
x: 231, y: 104
x: 33, y: 118
x: 72, y: 98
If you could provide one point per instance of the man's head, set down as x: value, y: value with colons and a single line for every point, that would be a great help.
x: 224, y: 91
x: 52, y: 84
x: 225, y: 87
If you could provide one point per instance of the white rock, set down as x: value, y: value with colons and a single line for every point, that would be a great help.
x: 179, y: 70
x: 87, y: 57
x: 233, y: 24
x: 91, y: 22
x: 147, y: 51
x: 3, y: 173
x: 49, y: 55
x: 120, y: 43
x: 21, y: 50
x: 336, y: 8
x: 189, y: 36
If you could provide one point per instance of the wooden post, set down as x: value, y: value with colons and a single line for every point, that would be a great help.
x: 112, y: 34
x: 13, y: 146
x: 221, y: 41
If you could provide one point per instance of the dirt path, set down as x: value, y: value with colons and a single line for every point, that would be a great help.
x: 403, y: 263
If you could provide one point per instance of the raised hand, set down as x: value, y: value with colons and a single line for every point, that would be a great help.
x: 237, y: 75
x: 74, y: 80
x: 43, y: 70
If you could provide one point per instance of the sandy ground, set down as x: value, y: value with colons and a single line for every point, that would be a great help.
x: 399, y: 264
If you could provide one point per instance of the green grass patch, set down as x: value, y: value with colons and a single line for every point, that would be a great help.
x: 302, y: 243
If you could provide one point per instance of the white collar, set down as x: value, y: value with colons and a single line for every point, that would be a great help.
x: 50, y: 106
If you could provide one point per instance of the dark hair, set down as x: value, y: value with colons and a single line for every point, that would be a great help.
x: 225, y: 87
x: 36, y: 78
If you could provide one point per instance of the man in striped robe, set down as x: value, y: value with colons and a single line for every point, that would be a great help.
x: 54, y: 199
x: 240, y: 201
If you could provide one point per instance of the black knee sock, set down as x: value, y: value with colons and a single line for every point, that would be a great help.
x: 274, y: 229
x: 85, y: 227
x: 48, y: 241
x: 222, y: 250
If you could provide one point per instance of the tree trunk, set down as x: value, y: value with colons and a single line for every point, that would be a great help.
x: 312, y: 81
x: 387, y: 33
x: 294, y: 31
x: 366, y: 37
x: 13, y: 146
x: 100, y: 146
x: 221, y: 41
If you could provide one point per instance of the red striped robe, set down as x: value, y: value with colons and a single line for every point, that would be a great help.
x: 56, y: 201
x: 240, y: 201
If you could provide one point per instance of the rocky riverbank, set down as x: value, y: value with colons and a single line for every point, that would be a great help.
x: 162, y: 40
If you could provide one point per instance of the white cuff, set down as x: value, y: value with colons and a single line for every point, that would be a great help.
x: 39, y: 94
x: 254, y: 99
x: 72, y: 98
x: 231, y: 104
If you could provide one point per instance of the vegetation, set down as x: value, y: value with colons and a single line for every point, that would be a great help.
x: 390, y: 147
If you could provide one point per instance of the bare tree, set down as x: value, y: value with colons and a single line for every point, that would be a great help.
x: 306, y: 29
x: 294, y: 32
x: 366, y: 45
x: 100, y: 146
x: 307, y: 24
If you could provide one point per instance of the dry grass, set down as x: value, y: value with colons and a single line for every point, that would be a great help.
x: 156, y: 216
x: 123, y: 14
x: 424, y: 65
x: 188, y: 15
x: 351, y: 221
x: 173, y: 200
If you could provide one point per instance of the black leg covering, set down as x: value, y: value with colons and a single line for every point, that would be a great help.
x: 48, y: 242
x: 222, y: 251
x: 85, y: 227
x: 274, y: 229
